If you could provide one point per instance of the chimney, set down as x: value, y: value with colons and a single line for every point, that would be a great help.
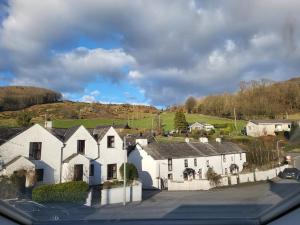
x: 203, y: 139
x: 187, y: 140
x: 218, y: 140
x: 48, y: 124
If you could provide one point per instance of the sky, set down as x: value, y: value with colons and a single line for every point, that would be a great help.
x: 155, y: 52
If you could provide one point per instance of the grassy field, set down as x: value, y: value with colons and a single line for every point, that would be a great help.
x: 145, y: 122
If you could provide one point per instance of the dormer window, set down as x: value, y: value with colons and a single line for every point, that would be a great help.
x: 110, y: 141
x: 81, y: 147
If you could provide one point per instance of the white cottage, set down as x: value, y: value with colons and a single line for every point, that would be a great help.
x: 257, y: 128
x: 201, y: 126
x: 32, y: 148
x: 60, y: 155
x: 158, y: 162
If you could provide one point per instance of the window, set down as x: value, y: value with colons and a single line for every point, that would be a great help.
x: 289, y: 126
x: 80, y: 146
x: 231, y: 158
x: 110, y: 141
x: 92, y: 170
x: 170, y: 164
x: 35, y: 150
x: 207, y: 162
x: 200, y: 173
x: 170, y: 176
x: 224, y: 158
x: 39, y: 175
x: 226, y: 171
x: 111, y: 171
x: 186, y: 164
x: 241, y: 156
x: 195, y: 162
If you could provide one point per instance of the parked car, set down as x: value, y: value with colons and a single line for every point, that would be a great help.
x: 290, y: 173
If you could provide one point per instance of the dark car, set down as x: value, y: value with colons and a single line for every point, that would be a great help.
x: 290, y: 173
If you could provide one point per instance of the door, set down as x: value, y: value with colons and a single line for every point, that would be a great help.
x: 78, y: 172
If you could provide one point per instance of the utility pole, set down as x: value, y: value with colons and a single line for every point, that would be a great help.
x: 277, y: 147
x: 124, y: 172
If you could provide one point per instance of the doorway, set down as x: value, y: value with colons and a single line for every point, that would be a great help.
x: 78, y: 172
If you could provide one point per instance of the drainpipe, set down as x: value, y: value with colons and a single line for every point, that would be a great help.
x: 61, y: 162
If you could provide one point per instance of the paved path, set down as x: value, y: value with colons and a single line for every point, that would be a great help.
x: 242, y: 201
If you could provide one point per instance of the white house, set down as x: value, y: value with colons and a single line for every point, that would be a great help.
x: 33, y: 146
x: 201, y: 126
x: 257, y: 128
x: 60, y: 155
x: 158, y: 162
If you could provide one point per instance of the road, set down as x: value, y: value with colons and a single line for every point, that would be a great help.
x: 241, y: 201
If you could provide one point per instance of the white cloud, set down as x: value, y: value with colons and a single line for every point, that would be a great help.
x: 171, y: 48
x: 88, y: 99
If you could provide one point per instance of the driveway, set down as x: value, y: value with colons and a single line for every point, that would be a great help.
x: 241, y: 201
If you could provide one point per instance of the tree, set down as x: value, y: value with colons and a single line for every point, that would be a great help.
x: 180, y: 123
x: 24, y: 119
x: 131, y: 172
x: 190, y: 104
x: 213, y: 177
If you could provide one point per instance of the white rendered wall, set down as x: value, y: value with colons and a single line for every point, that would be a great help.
x: 68, y: 168
x: 50, y: 155
x: 114, y: 155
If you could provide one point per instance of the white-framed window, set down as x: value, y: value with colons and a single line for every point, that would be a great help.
x: 241, y: 156
x: 226, y: 171
x: 170, y: 165
x: 195, y: 162
x: 186, y: 163
x: 110, y: 141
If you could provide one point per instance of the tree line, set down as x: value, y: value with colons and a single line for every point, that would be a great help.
x: 254, y: 99
x: 18, y: 97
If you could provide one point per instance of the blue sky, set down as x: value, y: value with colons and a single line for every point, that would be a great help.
x: 147, y: 52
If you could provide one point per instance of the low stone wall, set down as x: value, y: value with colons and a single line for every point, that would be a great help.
x: 193, y: 185
x: 115, y: 195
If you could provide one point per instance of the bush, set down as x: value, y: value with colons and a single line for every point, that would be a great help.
x: 213, y: 177
x: 7, y: 188
x: 112, y: 184
x: 131, y: 172
x: 75, y: 191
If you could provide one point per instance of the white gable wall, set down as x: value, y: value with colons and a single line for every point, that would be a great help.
x: 91, y: 146
x: 68, y: 168
x: 111, y: 155
x: 50, y: 154
x: 147, y: 167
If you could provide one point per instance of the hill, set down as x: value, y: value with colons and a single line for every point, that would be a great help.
x: 20, y: 97
x: 255, y: 100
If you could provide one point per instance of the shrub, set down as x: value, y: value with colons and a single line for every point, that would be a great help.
x: 131, y: 172
x: 75, y: 191
x: 112, y: 184
x: 7, y: 188
x: 213, y: 177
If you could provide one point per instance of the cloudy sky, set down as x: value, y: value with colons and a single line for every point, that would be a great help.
x: 153, y: 52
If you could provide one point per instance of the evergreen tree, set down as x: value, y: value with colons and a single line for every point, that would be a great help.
x: 180, y: 122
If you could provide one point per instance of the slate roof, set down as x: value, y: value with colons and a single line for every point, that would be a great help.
x: 270, y: 121
x: 68, y: 159
x: 7, y: 133
x: 165, y: 150
x: 100, y: 131
x: 64, y: 133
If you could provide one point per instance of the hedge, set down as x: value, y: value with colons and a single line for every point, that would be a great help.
x: 75, y: 191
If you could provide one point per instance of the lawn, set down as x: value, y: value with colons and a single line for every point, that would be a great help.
x: 167, y: 119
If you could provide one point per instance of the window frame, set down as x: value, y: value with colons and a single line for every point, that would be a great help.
x: 195, y: 162
x: 39, y: 174
x: 186, y: 163
x: 113, y: 172
x: 35, y: 153
x: 81, y: 143
x: 111, y: 141
x: 170, y: 164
